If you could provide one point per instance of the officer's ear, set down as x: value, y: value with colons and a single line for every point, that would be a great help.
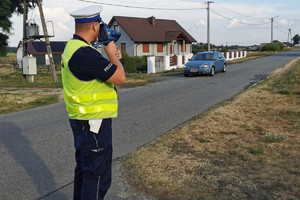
x: 95, y: 26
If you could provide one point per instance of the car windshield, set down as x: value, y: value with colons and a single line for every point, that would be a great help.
x: 203, y: 56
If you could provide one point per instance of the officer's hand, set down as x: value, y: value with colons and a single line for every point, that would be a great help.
x: 111, y: 49
x: 118, y: 53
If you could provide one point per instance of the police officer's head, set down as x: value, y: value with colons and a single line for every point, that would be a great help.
x: 87, y: 21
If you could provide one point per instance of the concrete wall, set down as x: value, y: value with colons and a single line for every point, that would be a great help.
x: 235, y: 55
x: 151, y: 68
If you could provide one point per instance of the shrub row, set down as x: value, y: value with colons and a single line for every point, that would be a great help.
x: 276, y: 46
x: 134, y: 63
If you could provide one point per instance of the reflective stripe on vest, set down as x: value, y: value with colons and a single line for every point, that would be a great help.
x: 86, y: 99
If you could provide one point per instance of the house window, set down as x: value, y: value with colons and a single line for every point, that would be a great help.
x: 146, y: 48
x: 160, y: 47
x: 116, y: 27
x: 183, y: 50
x: 123, y: 47
x: 171, y: 49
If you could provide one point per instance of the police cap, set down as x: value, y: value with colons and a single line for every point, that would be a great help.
x: 87, y: 14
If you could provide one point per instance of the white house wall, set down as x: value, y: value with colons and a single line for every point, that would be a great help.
x: 166, y: 49
x: 124, y: 38
x: 20, y: 55
x: 136, y: 49
x: 152, y: 50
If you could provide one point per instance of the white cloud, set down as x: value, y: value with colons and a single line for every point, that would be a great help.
x: 62, y: 22
x: 200, y: 22
x: 56, y: 14
x: 234, y: 23
x: 283, y: 22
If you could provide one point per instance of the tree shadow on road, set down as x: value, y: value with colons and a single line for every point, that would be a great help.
x: 17, y: 149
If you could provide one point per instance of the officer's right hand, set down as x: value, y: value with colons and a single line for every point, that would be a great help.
x: 114, y: 55
x: 110, y: 48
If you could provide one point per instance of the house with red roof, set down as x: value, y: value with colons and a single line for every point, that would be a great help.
x: 151, y: 36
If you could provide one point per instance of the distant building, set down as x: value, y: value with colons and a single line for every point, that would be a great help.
x: 287, y: 44
x: 151, y: 36
x: 254, y: 48
x: 38, y: 49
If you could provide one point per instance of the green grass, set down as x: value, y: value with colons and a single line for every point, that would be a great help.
x: 274, y: 138
x: 286, y: 85
x: 40, y: 81
x: 42, y: 101
x: 202, y: 140
x: 256, y: 151
x: 285, y: 92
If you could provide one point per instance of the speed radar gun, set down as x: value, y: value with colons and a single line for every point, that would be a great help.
x: 106, y: 35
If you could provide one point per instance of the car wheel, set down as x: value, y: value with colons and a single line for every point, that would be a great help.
x: 186, y: 75
x: 224, y: 68
x: 212, y: 71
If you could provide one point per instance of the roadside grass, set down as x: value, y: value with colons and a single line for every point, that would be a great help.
x: 16, y: 102
x: 20, y: 93
x: 42, y: 80
x: 245, y: 148
x: 11, y: 58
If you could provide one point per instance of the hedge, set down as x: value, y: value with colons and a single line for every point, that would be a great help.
x: 276, y: 46
x: 134, y: 63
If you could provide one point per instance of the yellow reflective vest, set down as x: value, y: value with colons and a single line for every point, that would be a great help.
x: 86, y: 99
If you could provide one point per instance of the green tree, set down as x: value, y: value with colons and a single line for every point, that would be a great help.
x: 7, y: 8
x: 296, y: 39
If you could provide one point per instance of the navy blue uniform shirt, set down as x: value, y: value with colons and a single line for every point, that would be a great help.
x: 88, y: 64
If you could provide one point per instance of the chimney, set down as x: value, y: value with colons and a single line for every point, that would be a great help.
x: 152, y: 20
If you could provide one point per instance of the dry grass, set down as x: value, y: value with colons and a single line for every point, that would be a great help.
x: 247, y: 148
x: 17, y: 94
x: 11, y: 58
x: 13, y: 99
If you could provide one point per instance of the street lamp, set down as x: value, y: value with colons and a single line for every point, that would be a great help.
x: 272, y: 19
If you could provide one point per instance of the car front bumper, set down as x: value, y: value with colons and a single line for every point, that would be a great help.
x: 197, y: 71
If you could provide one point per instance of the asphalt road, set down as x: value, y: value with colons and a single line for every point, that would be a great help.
x: 36, y: 146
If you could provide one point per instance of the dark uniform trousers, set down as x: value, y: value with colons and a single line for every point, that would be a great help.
x: 93, y: 160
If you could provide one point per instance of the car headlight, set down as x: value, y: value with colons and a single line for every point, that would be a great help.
x: 205, y: 66
x: 184, y: 66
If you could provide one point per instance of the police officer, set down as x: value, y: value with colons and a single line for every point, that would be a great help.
x: 91, y: 101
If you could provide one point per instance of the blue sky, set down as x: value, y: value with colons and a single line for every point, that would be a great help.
x: 232, y: 22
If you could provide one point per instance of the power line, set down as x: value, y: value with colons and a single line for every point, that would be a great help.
x: 232, y: 11
x: 139, y: 7
x: 279, y: 29
x: 238, y: 21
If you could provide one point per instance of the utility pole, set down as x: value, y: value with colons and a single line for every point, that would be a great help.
x: 208, y: 26
x: 289, y: 38
x: 24, y: 43
x: 272, y: 19
x: 47, y: 42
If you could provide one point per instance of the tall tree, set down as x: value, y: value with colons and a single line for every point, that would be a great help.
x: 296, y: 39
x: 7, y: 8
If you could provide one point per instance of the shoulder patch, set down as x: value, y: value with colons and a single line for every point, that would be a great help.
x: 108, y: 67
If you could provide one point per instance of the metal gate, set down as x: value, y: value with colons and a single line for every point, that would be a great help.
x: 159, y: 63
x: 173, y: 60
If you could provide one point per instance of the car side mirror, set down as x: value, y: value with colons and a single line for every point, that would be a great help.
x: 189, y: 59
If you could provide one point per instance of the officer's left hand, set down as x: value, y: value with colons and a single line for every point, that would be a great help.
x: 118, y: 53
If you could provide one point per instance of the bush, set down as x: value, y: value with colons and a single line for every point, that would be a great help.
x: 276, y: 46
x: 134, y: 63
